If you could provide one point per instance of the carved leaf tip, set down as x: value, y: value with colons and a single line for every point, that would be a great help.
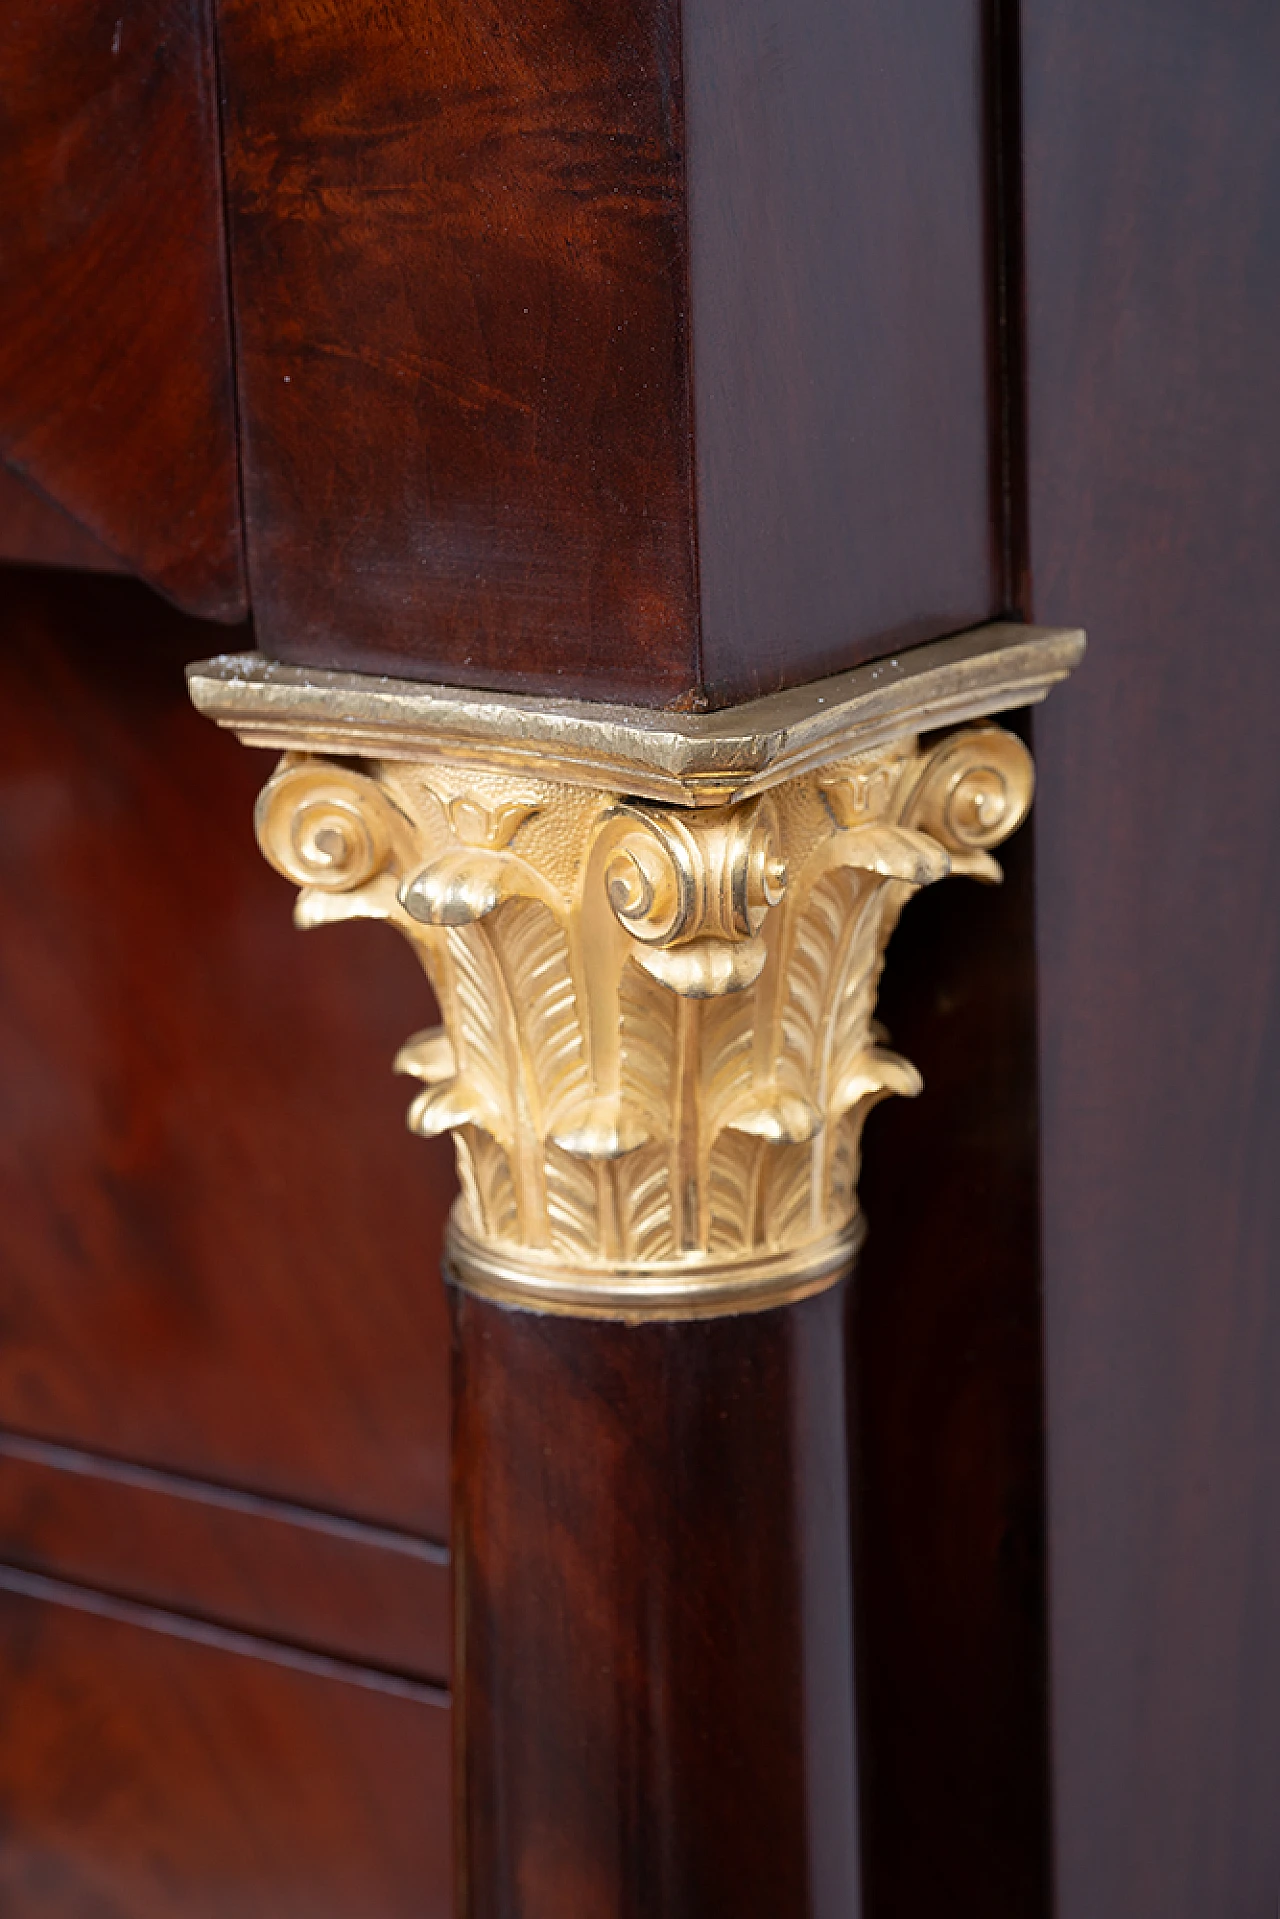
x: 897, y: 853
x: 784, y: 1119
x: 872, y: 1076
x: 706, y: 969
x: 602, y: 1131
x: 442, y: 1108
x: 978, y: 866
x: 428, y: 1055
x: 494, y: 827
x: 457, y: 890
x: 376, y: 900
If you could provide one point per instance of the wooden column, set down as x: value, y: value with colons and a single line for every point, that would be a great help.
x: 654, y: 1676
x: 642, y: 353
x: 656, y: 943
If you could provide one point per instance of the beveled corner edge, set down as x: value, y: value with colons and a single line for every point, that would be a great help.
x: 682, y: 759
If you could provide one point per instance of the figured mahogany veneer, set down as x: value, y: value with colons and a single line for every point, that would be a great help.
x: 218, y: 1244
x: 633, y: 350
x: 115, y: 366
x: 218, y: 1262
x: 154, y: 1769
x: 34, y: 532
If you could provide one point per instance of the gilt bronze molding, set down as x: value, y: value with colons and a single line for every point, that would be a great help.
x: 686, y: 759
x: 656, y: 942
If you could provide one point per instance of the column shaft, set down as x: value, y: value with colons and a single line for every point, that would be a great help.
x: 653, y: 1679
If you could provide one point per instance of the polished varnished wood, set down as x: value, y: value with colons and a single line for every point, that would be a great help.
x: 654, y: 1687
x: 218, y: 1243
x: 263, y: 1566
x: 840, y: 315
x: 218, y: 1265
x: 461, y: 317
x: 1153, y: 235
x: 154, y: 1769
x: 947, y: 1463
x: 34, y: 532
x: 115, y: 362
x: 633, y: 351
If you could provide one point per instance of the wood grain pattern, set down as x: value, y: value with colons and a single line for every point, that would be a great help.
x: 34, y: 532
x: 154, y: 1770
x: 218, y: 1245
x: 541, y: 391
x: 115, y: 365
x: 1153, y: 219
x: 654, y: 1682
x: 285, y: 1572
x: 460, y: 310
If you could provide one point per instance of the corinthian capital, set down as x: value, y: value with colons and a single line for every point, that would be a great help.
x: 655, y: 942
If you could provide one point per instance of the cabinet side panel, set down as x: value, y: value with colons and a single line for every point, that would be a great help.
x: 1153, y: 223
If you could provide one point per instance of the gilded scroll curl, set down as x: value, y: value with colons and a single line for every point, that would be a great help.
x: 658, y: 1048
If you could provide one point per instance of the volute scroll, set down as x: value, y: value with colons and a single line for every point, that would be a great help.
x: 656, y: 944
x: 659, y: 1047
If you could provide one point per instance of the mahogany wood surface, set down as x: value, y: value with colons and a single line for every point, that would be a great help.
x: 34, y: 532
x: 622, y: 350
x: 281, y: 1571
x: 217, y: 1263
x: 653, y: 1679
x: 1153, y: 253
x: 840, y: 313
x: 151, y: 1768
x: 460, y: 312
x: 116, y: 391
x: 947, y: 1396
x: 218, y: 1244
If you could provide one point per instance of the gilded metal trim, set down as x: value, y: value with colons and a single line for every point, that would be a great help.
x: 694, y: 1289
x: 659, y: 1046
x: 685, y: 759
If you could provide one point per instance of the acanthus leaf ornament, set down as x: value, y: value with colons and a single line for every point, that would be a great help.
x: 659, y: 1046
